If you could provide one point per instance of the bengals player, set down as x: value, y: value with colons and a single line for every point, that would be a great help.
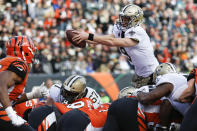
x: 14, y: 70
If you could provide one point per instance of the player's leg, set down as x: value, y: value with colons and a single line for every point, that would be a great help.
x: 122, y: 115
x: 189, y: 123
x: 74, y: 120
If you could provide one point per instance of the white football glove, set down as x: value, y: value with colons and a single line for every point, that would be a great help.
x: 15, y: 119
x: 38, y: 92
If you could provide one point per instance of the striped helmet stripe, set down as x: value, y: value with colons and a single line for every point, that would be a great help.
x: 72, y: 80
x: 15, y: 38
x: 126, y: 7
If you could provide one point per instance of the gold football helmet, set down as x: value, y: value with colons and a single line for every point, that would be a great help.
x: 73, y: 88
x: 162, y: 69
x: 127, y: 91
x: 130, y: 16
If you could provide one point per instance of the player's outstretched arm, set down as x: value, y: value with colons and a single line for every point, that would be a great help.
x: 96, y: 43
x: 108, y: 40
x: 38, y: 92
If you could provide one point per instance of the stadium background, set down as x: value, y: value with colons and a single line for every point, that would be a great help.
x: 171, y: 25
x: 111, y: 83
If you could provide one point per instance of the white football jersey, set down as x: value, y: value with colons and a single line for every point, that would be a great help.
x: 54, y: 92
x: 196, y: 88
x: 57, y: 97
x: 177, y: 80
x: 142, y: 55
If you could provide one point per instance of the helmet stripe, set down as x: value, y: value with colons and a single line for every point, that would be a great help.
x: 73, y: 80
x: 30, y: 50
x: 70, y: 80
x: 15, y: 38
x: 21, y: 47
x: 126, y: 7
x: 29, y: 41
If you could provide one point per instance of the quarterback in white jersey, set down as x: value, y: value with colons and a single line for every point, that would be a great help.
x: 141, y: 55
x: 57, y: 91
x: 132, y: 41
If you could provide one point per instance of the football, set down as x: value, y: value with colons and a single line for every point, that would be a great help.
x: 70, y: 35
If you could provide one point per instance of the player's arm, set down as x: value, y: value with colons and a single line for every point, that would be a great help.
x: 188, y: 92
x: 156, y: 94
x: 104, y: 39
x: 7, y: 79
x: 23, y: 98
x: 38, y: 92
x: 96, y: 43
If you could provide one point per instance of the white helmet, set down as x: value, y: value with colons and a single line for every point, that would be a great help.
x: 127, y: 91
x: 133, y: 14
x: 164, y: 68
x: 73, y: 88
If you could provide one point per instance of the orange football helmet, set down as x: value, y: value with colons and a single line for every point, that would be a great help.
x: 21, y: 46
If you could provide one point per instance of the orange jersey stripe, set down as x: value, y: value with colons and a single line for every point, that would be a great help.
x: 3, y: 115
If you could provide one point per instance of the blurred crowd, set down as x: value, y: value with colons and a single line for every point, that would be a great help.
x: 171, y: 25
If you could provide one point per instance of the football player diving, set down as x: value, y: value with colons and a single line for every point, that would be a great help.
x: 132, y: 41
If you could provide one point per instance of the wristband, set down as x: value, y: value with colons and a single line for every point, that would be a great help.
x: 91, y: 36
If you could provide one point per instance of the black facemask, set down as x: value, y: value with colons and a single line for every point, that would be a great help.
x: 68, y: 96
